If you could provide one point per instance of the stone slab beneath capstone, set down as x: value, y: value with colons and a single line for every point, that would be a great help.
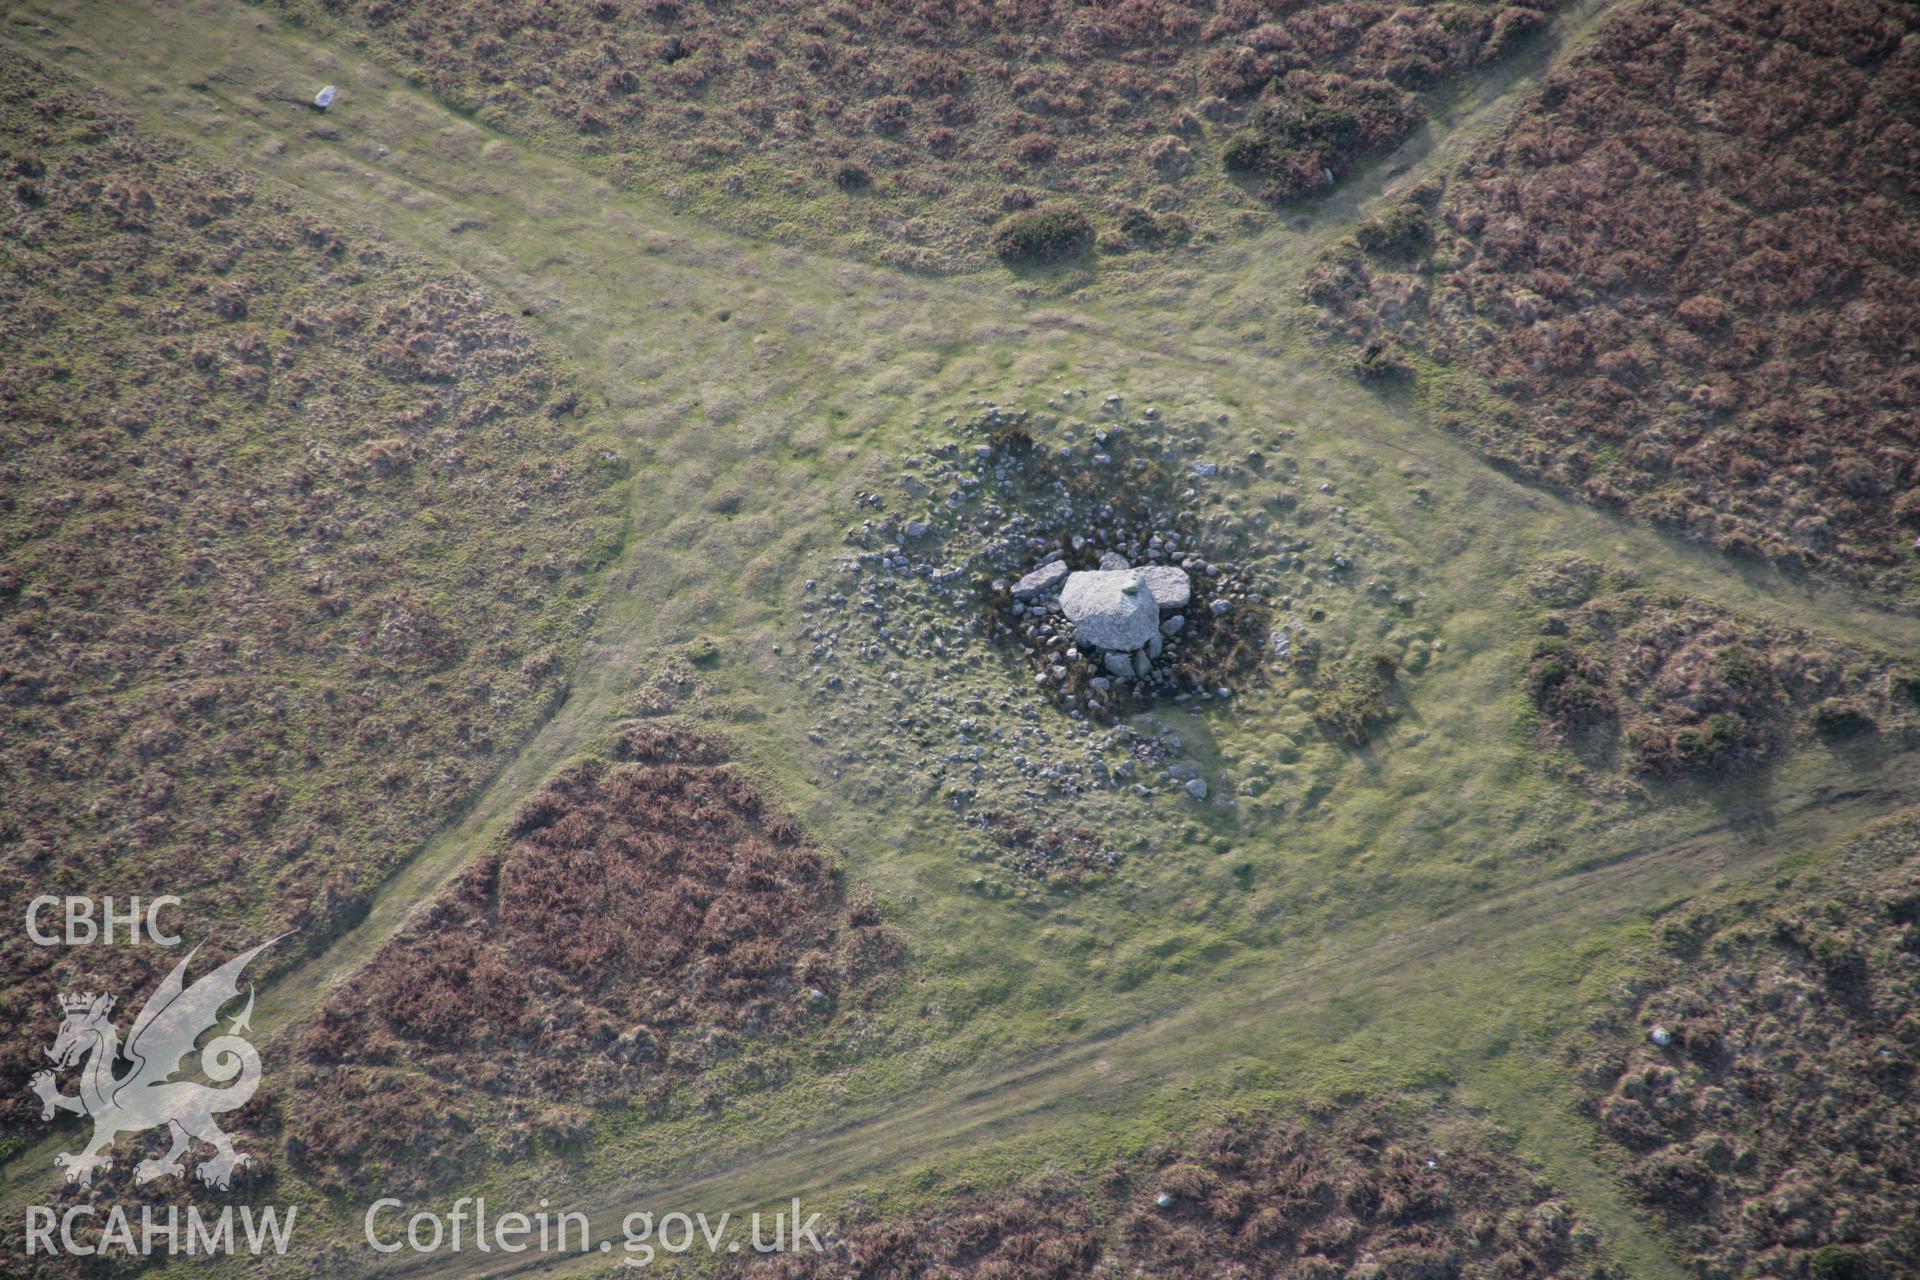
x: 1171, y: 587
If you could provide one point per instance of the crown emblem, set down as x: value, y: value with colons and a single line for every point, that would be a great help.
x: 165, y: 1034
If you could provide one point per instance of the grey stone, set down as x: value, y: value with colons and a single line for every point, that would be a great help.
x: 1219, y: 607
x: 1119, y: 664
x: 1042, y: 581
x: 1171, y: 626
x: 1110, y: 609
x: 1112, y: 560
x: 1171, y: 588
x: 916, y: 529
x: 1153, y: 647
x: 1141, y: 666
x: 1197, y: 788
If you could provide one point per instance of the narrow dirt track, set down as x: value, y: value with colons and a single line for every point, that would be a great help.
x: 1102, y: 1072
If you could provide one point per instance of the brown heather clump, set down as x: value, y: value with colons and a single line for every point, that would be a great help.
x: 1690, y: 269
x: 1775, y: 1133
x: 648, y: 934
x: 296, y: 542
x: 1358, y: 1192
x: 902, y: 122
x: 1666, y: 685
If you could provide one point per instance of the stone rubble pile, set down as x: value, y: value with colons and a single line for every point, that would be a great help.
x: 1121, y: 617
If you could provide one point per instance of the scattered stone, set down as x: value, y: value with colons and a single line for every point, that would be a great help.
x: 916, y: 529
x: 1220, y: 607
x: 1120, y: 664
x: 324, y: 99
x: 1171, y: 626
x: 1112, y: 561
x: 1043, y: 581
x: 1197, y: 788
x: 1660, y: 1036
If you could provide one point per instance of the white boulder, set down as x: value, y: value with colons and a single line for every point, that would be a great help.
x: 1110, y: 608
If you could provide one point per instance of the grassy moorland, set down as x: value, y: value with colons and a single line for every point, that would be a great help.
x: 1346, y: 1189
x: 907, y: 130
x: 1769, y: 1131
x: 1684, y: 276
x: 701, y: 936
x: 1627, y: 681
x: 299, y: 537
x: 1388, y: 888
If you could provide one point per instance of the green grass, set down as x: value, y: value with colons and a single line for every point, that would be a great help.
x: 1422, y: 913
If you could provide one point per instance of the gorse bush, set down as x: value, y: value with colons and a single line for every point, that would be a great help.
x: 1359, y: 700
x: 1691, y: 688
x: 1567, y: 686
x: 1836, y: 1263
x: 1841, y: 718
x: 1046, y: 234
x: 1402, y: 231
x: 1303, y: 140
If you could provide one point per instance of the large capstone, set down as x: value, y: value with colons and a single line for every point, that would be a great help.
x: 1110, y: 608
x: 1170, y: 586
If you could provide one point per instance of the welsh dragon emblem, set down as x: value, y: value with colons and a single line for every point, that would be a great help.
x: 146, y: 1096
